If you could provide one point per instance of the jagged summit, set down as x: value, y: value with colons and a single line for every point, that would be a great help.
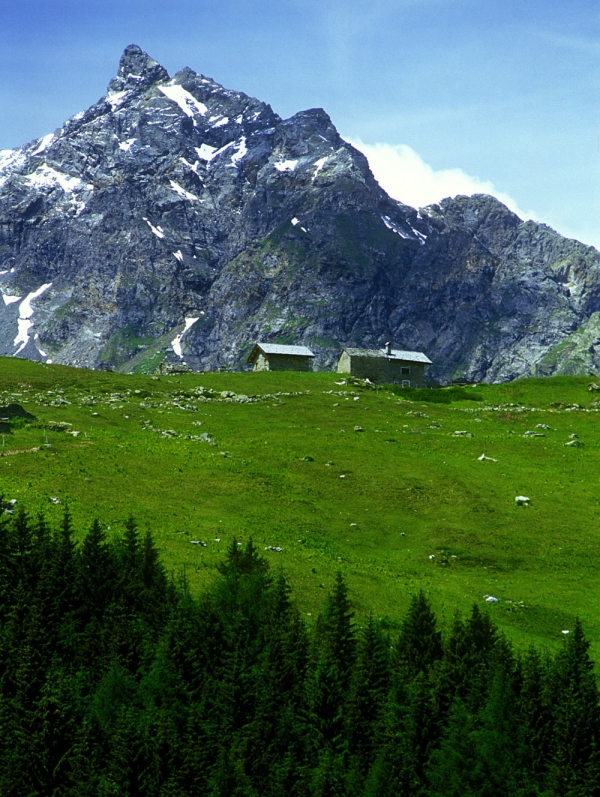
x: 177, y: 219
x: 137, y: 70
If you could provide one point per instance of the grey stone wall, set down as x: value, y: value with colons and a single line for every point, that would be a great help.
x: 382, y: 369
x: 282, y: 362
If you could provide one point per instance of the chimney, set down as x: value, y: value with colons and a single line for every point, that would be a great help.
x: 388, y: 347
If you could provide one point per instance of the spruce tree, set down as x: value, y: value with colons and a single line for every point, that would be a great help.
x: 97, y: 572
x: 419, y: 644
x: 576, y: 719
x: 499, y: 767
x: 368, y: 695
x: 452, y: 768
x: 534, y: 717
x: 23, y: 544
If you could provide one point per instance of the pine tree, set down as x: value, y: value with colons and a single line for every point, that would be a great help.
x: 58, y: 598
x: 22, y: 540
x: 420, y: 643
x: 97, y: 572
x: 153, y: 583
x: 417, y: 736
x: 130, y: 559
x: 534, y: 716
x: 452, y: 768
x: 367, y: 699
x: 274, y: 739
x: 335, y: 632
x: 7, y: 572
x: 576, y: 715
x: 463, y: 671
x: 328, y: 687
x: 499, y: 766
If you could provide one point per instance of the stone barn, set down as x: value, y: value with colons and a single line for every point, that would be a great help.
x: 385, y: 365
x: 277, y: 357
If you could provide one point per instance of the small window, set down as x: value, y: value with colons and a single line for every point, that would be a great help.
x: 405, y: 371
x: 406, y: 383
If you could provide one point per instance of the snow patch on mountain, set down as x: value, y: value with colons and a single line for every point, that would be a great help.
x: 47, y: 177
x: 286, y: 166
x: 206, y: 152
x: 176, y: 345
x: 43, y: 145
x: 182, y: 192
x: 240, y: 150
x: 188, y: 104
x: 24, y: 321
x: 158, y: 231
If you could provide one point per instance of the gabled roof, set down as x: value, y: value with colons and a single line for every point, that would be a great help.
x: 397, y: 354
x: 279, y: 348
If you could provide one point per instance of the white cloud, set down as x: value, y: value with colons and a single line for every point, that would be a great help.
x: 402, y: 172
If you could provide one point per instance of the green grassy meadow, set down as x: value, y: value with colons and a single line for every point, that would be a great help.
x: 290, y: 471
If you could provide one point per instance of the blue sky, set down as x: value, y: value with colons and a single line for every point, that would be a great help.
x: 444, y: 96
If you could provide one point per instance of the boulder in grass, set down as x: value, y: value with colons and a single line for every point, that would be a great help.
x: 522, y: 500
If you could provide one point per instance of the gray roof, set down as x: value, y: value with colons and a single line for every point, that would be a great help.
x: 397, y: 354
x: 279, y: 348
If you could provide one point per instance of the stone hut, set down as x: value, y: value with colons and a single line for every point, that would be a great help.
x: 387, y: 365
x: 277, y: 357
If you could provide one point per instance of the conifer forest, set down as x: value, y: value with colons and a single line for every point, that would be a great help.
x: 117, y: 680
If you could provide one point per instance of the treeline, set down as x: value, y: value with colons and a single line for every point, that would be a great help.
x: 117, y: 681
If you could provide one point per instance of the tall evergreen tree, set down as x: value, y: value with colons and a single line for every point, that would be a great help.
x: 499, y: 767
x: 452, y: 770
x: 574, y: 767
x: 23, y: 544
x: 534, y: 718
x: 333, y: 655
x: 97, y: 572
x: 419, y: 644
x: 369, y: 690
x: 463, y: 671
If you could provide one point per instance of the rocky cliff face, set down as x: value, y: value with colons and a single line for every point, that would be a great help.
x: 178, y: 220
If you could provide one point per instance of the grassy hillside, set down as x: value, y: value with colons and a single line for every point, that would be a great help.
x: 292, y: 470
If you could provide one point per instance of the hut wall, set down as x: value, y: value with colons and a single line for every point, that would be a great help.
x: 382, y: 369
x: 288, y: 362
x: 282, y: 362
x: 261, y: 363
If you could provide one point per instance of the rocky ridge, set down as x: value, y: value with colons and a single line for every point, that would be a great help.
x: 178, y: 220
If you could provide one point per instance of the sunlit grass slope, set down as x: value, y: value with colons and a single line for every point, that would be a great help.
x: 400, y: 504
